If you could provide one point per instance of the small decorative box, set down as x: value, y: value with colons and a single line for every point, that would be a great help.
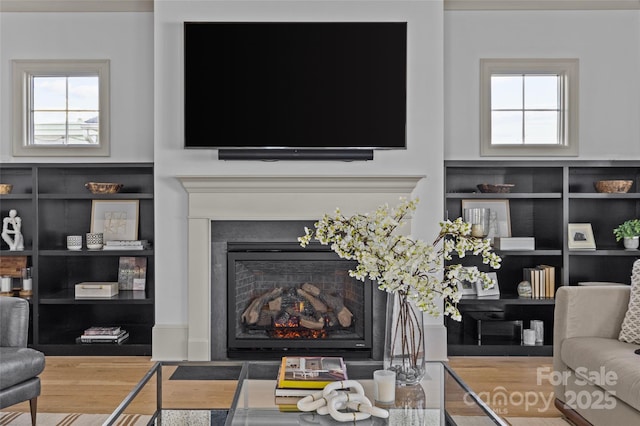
x: 514, y: 243
x: 96, y: 290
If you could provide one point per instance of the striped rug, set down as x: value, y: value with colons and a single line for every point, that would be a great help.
x: 203, y: 417
x: 68, y: 419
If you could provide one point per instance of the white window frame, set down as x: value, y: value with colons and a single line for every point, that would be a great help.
x: 23, y: 72
x: 568, y: 69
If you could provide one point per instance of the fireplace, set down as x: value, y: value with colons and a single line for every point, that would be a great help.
x: 282, y: 299
x: 214, y: 200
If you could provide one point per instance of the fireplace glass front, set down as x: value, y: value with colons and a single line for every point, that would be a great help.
x: 283, y: 299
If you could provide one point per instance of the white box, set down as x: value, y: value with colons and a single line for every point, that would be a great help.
x: 96, y: 289
x: 514, y: 243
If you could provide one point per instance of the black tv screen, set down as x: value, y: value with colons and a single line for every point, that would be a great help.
x: 300, y: 85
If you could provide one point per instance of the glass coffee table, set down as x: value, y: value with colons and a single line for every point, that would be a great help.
x: 441, y: 398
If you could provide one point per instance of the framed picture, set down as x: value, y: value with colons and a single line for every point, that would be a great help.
x: 493, y: 291
x: 117, y: 220
x: 132, y: 273
x: 499, y: 219
x: 466, y: 288
x: 581, y: 237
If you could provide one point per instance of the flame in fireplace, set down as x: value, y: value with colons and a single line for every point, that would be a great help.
x: 281, y: 332
x: 292, y: 330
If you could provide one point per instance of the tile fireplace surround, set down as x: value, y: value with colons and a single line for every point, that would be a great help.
x: 266, y: 198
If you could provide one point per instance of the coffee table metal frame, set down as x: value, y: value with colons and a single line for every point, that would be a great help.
x: 156, y: 371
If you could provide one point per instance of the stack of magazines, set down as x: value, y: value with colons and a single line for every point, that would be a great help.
x: 302, y: 376
x: 104, y: 335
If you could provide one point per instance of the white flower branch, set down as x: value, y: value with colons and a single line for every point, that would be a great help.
x: 399, y: 264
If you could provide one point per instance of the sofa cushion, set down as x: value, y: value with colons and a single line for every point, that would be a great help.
x: 18, y: 365
x: 630, y: 331
x: 598, y: 357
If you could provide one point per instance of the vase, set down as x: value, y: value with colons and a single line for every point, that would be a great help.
x: 404, y: 345
x: 631, y: 243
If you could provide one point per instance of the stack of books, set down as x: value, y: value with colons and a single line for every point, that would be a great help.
x: 126, y: 245
x: 302, y: 376
x: 114, y: 335
x: 543, y: 281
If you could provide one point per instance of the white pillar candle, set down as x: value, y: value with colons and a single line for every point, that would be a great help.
x: 6, y: 285
x: 477, y: 230
x: 26, y: 279
x: 26, y: 284
x: 538, y: 327
x: 385, y: 386
x: 529, y: 337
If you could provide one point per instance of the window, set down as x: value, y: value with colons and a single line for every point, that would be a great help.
x: 529, y: 107
x: 60, y: 108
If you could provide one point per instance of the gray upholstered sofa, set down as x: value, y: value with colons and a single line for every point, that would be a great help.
x: 19, y: 365
x: 595, y: 375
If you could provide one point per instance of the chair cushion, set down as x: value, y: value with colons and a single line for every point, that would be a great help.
x: 630, y: 331
x: 601, y: 357
x: 18, y: 365
x: 23, y: 391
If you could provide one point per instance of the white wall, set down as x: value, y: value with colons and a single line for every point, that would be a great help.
x: 423, y: 156
x: 607, y: 43
x: 126, y: 39
x: 147, y: 46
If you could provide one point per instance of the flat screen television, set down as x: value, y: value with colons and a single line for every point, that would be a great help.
x: 295, y: 85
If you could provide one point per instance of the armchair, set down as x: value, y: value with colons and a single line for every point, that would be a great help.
x: 19, y: 365
x: 596, y: 376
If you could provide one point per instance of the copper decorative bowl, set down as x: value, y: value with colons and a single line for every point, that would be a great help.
x: 613, y: 186
x: 495, y: 188
x: 103, y: 187
x: 5, y: 188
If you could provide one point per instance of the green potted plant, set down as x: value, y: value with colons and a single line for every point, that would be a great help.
x: 629, y: 232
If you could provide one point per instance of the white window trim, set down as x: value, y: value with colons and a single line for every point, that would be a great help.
x: 568, y: 67
x: 22, y: 71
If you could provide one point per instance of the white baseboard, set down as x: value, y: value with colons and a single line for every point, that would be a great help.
x: 170, y: 342
x: 436, y: 342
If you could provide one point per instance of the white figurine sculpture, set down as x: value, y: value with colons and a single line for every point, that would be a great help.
x: 331, y: 400
x: 11, y: 226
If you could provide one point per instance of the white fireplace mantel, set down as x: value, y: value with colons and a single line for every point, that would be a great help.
x: 266, y: 198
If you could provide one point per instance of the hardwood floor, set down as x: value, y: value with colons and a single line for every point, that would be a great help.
x: 509, y: 385
x: 99, y: 384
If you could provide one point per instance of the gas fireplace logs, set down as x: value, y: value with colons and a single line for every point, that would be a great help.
x: 315, y: 302
x: 312, y: 289
x: 344, y: 314
x: 304, y: 307
x: 252, y: 313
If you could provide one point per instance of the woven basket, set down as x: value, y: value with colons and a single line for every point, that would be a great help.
x: 103, y: 187
x: 5, y: 188
x: 613, y: 186
x: 497, y: 188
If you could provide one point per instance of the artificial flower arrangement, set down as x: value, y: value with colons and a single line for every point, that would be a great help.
x: 399, y: 264
x: 414, y: 272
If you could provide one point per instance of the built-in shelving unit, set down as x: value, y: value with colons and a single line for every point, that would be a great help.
x: 548, y: 195
x: 52, y: 201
